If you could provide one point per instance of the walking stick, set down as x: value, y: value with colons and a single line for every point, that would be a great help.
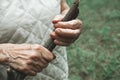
x: 49, y: 44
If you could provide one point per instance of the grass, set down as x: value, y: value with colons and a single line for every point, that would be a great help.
x: 96, y: 54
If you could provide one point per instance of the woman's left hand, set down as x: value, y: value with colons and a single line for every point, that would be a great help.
x: 65, y: 32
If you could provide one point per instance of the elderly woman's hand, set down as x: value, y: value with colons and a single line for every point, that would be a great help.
x: 65, y: 32
x: 27, y: 58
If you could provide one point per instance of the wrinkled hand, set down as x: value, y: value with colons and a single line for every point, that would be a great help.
x: 27, y: 58
x: 65, y: 32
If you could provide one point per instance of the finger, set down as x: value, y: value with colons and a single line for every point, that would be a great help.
x: 73, y: 24
x: 23, y: 67
x: 57, y: 18
x: 28, y: 71
x: 67, y: 33
x: 61, y: 43
x: 36, y: 67
x: 33, y: 65
x: 48, y: 57
x: 16, y: 66
x: 63, y: 39
x: 43, y: 61
x: 40, y: 64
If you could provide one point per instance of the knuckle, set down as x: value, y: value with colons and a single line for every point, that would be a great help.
x: 33, y: 55
x: 36, y: 46
x: 71, y: 24
x: 32, y: 73
x: 48, y: 56
x: 79, y: 23
x: 51, y: 57
x: 24, y: 68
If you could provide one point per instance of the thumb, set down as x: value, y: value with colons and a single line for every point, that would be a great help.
x: 57, y: 18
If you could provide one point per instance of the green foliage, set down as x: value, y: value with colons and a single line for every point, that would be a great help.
x: 96, y: 54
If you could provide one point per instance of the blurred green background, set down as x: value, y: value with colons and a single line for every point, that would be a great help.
x: 96, y: 54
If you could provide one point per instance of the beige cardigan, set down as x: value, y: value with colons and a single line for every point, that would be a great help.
x: 29, y: 21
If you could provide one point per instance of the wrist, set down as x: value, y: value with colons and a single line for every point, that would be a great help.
x: 4, y: 58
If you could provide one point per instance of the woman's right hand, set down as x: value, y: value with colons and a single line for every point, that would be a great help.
x: 27, y: 58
